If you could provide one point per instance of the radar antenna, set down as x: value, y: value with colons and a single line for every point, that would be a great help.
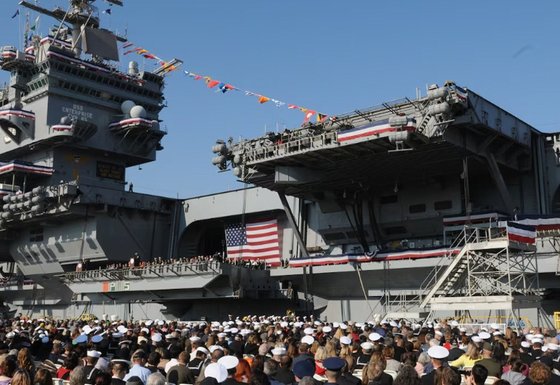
x: 81, y: 14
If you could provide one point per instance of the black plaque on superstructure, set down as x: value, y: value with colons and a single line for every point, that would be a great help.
x: 110, y: 171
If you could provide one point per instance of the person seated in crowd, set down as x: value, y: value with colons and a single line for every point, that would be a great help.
x: 516, y: 373
x: 476, y: 376
x: 138, y: 368
x: 469, y: 359
x: 492, y: 365
x: 374, y: 373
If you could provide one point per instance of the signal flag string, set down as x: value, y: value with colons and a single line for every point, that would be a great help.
x: 224, y: 87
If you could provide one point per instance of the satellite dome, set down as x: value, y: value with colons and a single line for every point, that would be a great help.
x: 126, y: 106
x: 137, y: 112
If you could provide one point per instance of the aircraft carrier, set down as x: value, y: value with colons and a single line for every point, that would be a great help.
x: 403, y: 209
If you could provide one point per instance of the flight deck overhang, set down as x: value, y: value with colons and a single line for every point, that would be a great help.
x: 403, y: 141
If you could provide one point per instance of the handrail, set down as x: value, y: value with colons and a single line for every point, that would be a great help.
x: 173, y: 270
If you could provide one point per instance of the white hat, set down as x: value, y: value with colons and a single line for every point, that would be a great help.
x: 93, y: 353
x: 283, y: 324
x: 308, y: 340
x: 345, y: 340
x: 525, y: 344
x: 537, y: 341
x: 343, y: 326
x: 203, y: 350
x: 327, y: 329
x: 222, y: 335
x: 234, y: 330
x: 117, y: 335
x: 539, y: 336
x: 438, y: 352
x: 529, y: 337
x: 476, y: 339
x: 462, y: 329
x: 156, y: 337
x: 102, y: 364
x: 552, y: 346
x: 194, y: 339
x: 484, y: 335
x: 308, y: 331
x: 87, y: 329
x: 149, y: 322
x: 213, y: 348
x: 393, y: 324
x: 454, y: 323
x: 10, y: 335
x: 229, y: 362
x: 438, y: 333
x: 216, y: 371
x: 279, y: 351
x: 142, y: 339
x: 335, y: 324
x: 497, y: 333
x: 367, y: 345
x: 494, y: 326
x: 160, y: 323
x: 374, y: 337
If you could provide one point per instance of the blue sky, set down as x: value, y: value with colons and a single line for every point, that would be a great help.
x: 329, y: 56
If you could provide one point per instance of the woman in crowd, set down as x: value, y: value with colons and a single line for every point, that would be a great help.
x: 407, y: 376
x: 374, y: 373
x: 320, y: 356
x: 7, y: 369
x: 389, y: 354
x: 42, y: 377
x: 516, y: 373
x: 21, y: 377
x: 423, y: 360
x: 539, y: 374
x: 468, y: 359
x: 69, y: 364
x: 25, y: 361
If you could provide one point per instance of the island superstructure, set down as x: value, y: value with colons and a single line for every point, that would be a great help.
x: 72, y: 123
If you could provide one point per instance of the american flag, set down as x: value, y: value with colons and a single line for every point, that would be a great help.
x: 256, y: 241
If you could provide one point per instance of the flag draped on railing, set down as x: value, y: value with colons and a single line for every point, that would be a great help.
x: 254, y: 241
x: 520, y: 233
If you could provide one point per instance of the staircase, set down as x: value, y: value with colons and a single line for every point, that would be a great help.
x: 454, y: 271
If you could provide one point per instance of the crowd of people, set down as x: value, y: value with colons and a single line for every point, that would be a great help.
x: 201, y: 262
x: 261, y: 350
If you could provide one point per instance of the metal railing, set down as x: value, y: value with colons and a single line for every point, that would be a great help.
x: 151, y: 271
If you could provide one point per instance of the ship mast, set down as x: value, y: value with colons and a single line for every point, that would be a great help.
x: 80, y: 14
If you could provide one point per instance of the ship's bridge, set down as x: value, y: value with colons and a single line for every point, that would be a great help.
x: 450, y: 131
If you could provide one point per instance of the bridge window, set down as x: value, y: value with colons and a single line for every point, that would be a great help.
x: 418, y: 208
x: 388, y: 199
x: 443, y: 205
x: 395, y: 230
